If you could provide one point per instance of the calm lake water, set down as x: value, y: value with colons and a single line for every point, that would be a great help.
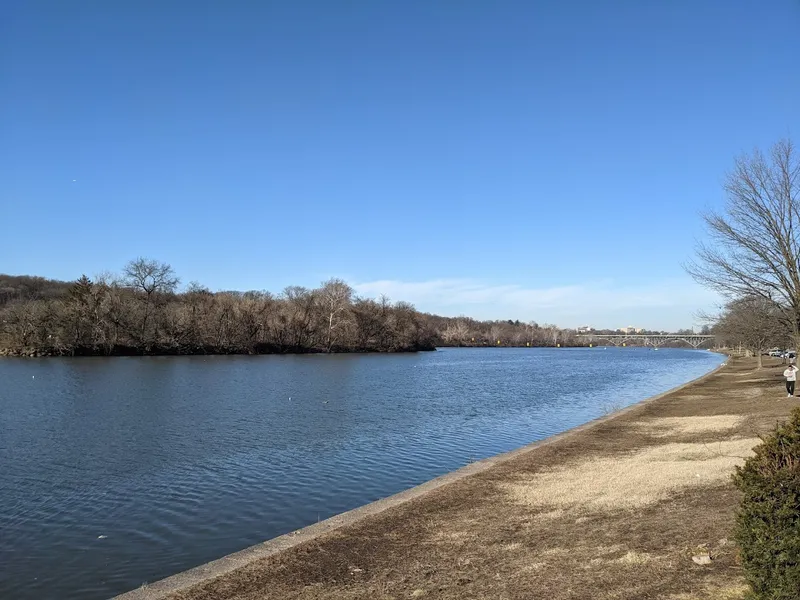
x: 119, y: 471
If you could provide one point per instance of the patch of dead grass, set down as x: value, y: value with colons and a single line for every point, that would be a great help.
x: 668, y: 426
x: 549, y: 515
x: 458, y: 536
x: 630, y: 558
x: 736, y: 591
x: 635, y: 558
x: 749, y: 393
x: 556, y: 552
x: 637, y: 480
x: 692, y: 397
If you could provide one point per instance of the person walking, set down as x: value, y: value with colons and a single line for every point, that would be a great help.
x: 791, y: 377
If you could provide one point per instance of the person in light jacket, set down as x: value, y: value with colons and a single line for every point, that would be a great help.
x: 791, y: 376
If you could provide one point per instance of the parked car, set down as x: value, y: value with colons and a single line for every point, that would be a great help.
x: 776, y: 353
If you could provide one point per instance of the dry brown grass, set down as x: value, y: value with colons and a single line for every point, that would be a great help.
x: 693, y: 397
x: 749, y: 392
x: 674, y: 426
x: 734, y: 591
x: 639, y: 479
x: 549, y: 515
x: 635, y: 558
x: 630, y: 558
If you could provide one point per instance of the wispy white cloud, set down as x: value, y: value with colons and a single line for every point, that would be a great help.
x: 667, y: 304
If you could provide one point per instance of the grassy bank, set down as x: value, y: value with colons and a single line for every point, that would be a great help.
x: 616, y: 510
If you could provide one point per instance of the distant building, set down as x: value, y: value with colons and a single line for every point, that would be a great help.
x: 630, y: 329
x: 585, y: 329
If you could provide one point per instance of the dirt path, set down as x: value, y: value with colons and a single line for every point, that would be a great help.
x: 614, y: 511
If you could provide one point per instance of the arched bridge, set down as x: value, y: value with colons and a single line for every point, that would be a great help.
x: 644, y: 339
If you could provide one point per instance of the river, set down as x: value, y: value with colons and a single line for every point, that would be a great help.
x: 120, y: 471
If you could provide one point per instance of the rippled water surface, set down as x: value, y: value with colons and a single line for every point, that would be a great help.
x: 119, y: 471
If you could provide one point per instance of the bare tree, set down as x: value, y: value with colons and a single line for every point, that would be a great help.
x: 404, y: 325
x: 756, y: 238
x: 335, y: 298
x: 456, y: 332
x: 300, y: 304
x: 552, y: 332
x: 151, y: 278
x: 20, y: 321
x: 370, y: 323
x: 754, y: 323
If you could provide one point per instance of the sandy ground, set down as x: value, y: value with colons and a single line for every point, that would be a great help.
x: 614, y: 512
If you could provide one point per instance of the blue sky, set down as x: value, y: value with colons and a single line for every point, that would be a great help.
x: 510, y: 159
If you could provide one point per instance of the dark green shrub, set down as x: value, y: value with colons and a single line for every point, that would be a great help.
x: 768, y: 521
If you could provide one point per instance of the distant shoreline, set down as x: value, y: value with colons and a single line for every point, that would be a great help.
x: 121, y: 351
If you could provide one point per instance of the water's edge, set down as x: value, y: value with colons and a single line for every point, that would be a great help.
x: 231, y: 562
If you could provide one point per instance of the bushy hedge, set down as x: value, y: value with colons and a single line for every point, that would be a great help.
x: 768, y: 521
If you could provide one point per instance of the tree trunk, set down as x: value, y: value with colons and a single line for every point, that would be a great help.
x: 760, y: 359
x: 796, y: 334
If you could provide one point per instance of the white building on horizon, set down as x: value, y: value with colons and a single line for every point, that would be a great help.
x: 630, y: 329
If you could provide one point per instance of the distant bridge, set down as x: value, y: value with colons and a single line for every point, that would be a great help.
x: 654, y: 340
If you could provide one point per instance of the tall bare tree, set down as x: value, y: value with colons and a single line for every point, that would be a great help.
x: 754, y: 323
x: 300, y: 304
x: 335, y: 297
x: 456, y: 332
x: 755, y: 239
x: 151, y: 278
x: 494, y: 335
x: 552, y: 332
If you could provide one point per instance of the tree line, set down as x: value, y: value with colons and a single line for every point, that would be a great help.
x: 142, y: 311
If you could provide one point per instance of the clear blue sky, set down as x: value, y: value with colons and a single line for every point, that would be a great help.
x: 531, y: 160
